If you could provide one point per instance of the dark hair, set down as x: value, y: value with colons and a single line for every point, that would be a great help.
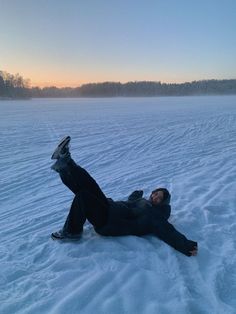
x: 166, y: 194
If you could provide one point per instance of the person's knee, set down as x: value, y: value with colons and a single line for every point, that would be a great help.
x: 83, y: 194
x: 85, y: 199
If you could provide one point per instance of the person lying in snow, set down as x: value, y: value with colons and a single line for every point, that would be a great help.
x: 136, y: 216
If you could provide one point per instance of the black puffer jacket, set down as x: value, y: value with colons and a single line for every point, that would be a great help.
x: 137, y: 216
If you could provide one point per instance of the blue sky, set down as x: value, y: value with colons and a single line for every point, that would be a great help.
x: 68, y: 43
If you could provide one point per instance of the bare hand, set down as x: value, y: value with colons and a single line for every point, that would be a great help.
x: 194, y: 251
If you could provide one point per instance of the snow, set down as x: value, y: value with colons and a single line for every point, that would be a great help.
x: 187, y: 144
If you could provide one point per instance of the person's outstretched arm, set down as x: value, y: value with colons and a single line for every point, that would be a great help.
x: 167, y: 233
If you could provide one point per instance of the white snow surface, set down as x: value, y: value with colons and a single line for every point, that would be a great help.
x: 187, y: 144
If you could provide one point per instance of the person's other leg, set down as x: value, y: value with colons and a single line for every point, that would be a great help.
x: 75, y: 219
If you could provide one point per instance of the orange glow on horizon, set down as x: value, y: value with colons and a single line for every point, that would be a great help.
x: 56, y: 84
x: 60, y: 79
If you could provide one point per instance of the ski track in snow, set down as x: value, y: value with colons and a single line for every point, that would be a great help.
x: 187, y: 144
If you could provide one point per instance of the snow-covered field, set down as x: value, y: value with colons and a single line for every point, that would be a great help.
x: 187, y: 144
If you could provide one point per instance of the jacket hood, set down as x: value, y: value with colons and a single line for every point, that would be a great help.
x: 166, y: 193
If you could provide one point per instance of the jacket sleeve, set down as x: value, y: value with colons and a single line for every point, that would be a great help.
x: 164, y: 211
x: 167, y: 233
x: 134, y: 196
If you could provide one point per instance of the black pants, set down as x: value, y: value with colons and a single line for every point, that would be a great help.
x: 89, y: 201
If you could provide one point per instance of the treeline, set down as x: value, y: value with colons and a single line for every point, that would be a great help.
x: 140, y: 89
x: 14, y: 86
x: 147, y: 88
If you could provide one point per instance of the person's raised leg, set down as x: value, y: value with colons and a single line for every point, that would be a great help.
x: 96, y: 211
x: 72, y: 175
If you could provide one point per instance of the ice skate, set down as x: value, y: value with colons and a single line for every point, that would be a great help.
x: 62, y: 148
x: 61, y: 235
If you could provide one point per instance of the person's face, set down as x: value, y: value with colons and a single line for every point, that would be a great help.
x: 157, y: 197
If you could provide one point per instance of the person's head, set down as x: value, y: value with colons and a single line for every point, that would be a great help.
x: 160, y: 196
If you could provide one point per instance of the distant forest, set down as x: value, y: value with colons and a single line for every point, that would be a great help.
x: 15, y: 87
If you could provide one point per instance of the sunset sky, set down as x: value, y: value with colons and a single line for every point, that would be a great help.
x: 68, y: 43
